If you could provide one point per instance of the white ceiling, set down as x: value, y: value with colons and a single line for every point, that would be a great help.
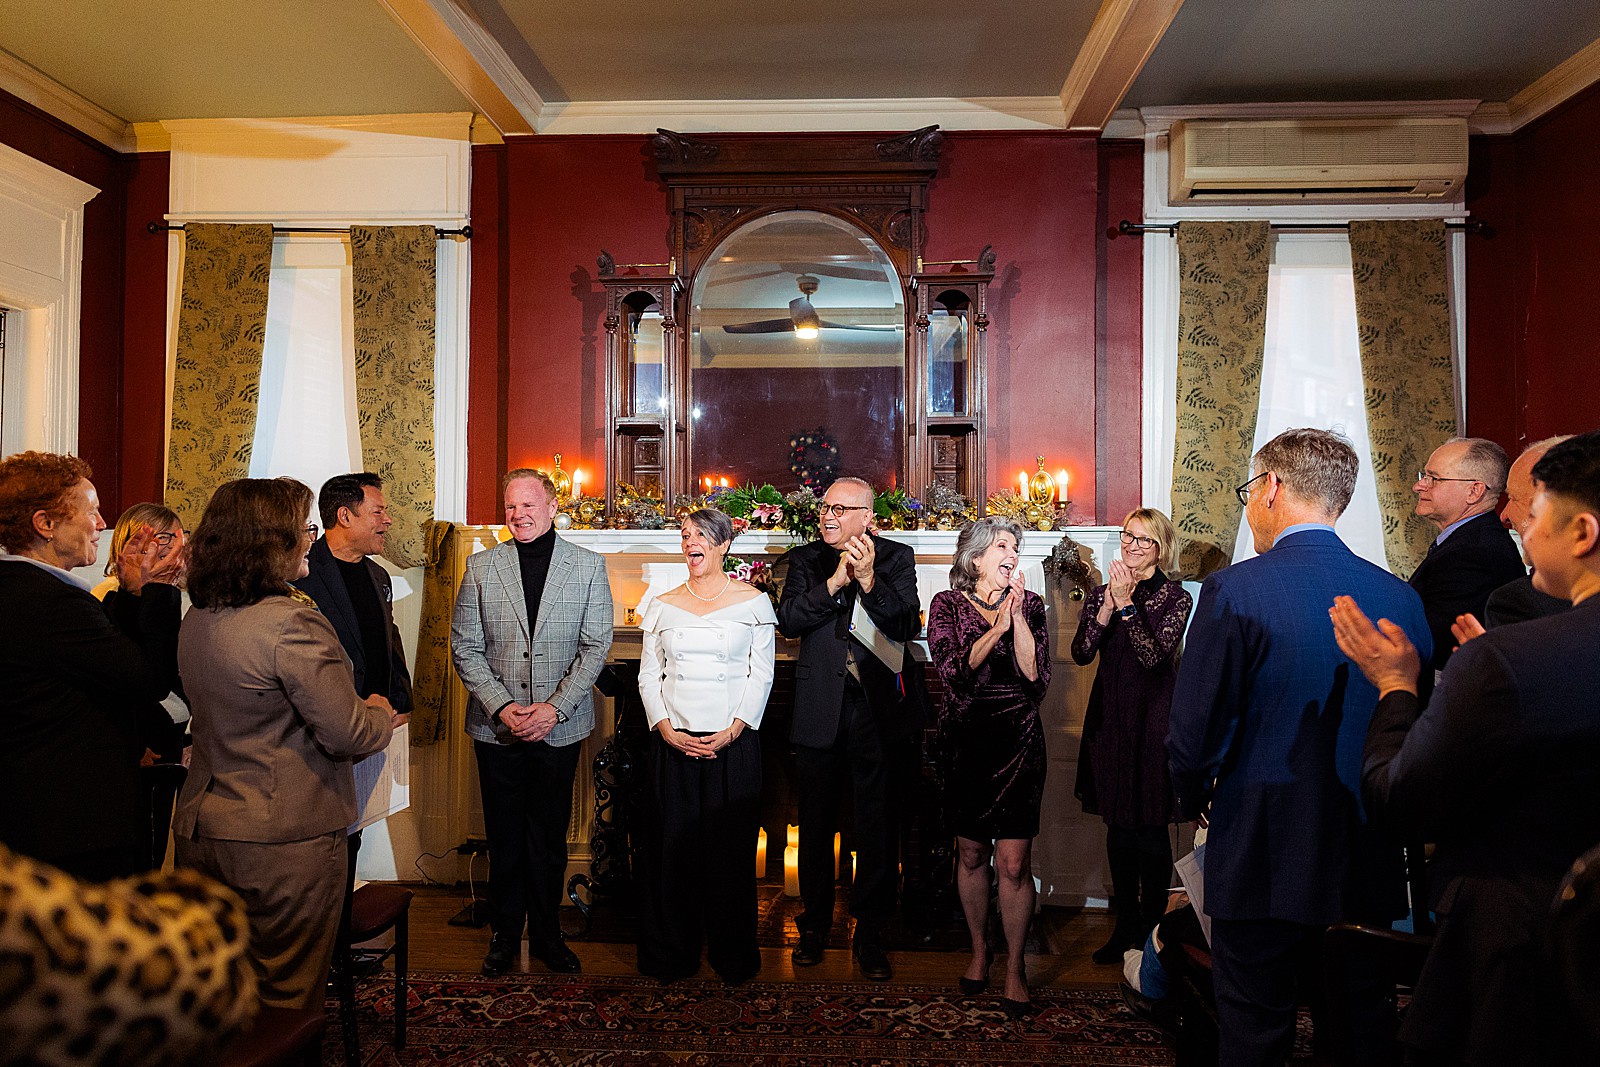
x: 520, y: 62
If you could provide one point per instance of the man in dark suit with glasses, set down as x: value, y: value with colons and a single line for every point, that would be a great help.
x: 850, y: 597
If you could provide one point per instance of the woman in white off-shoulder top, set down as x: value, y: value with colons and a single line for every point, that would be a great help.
x: 704, y: 676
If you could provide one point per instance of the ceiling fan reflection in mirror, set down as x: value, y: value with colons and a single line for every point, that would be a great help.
x: 803, y: 318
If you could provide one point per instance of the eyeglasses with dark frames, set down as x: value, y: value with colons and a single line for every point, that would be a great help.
x: 313, y: 529
x: 1244, y: 490
x: 837, y: 510
x: 1138, y: 539
x: 1427, y: 477
x: 165, y: 539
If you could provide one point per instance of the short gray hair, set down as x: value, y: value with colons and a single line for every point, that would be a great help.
x: 974, y: 540
x: 1318, y: 466
x: 714, y: 524
x: 860, y: 483
x: 1485, y: 461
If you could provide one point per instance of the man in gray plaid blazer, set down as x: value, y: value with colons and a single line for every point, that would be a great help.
x: 530, y: 633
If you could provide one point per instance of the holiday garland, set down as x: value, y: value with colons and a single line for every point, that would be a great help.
x: 813, y: 457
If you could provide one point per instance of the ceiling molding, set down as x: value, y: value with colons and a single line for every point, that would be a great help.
x: 1493, y: 119
x: 803, y: 116
x: 1124, y: 34
x: 1566, y: 80
x: 33, y: 86
x: 1125, y: 125
x: 473, y: 61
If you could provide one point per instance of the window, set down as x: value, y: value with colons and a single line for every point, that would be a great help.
x: 1311, y: 370
x: 306, y: 422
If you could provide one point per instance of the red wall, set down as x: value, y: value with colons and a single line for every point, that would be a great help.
x: 1065, y: 303
x: 1533, y: 316
x: 36, y: 134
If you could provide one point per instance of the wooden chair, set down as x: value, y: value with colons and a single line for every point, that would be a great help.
x: 280, y: 1037
x: 375, y: 909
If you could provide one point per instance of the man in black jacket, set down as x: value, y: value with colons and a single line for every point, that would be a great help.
x: 1473, y: 555
x: 1501, y: 771
x: 353, y: 590
x: 1518, y: 600
x: 851, y: 599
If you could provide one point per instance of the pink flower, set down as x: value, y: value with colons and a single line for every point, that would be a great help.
x: 742, y: 572
x: 740, y: 526
x: 768, y: 512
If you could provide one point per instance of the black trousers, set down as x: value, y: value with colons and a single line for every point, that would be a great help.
x: 697, y: 881
x: 1263, y: 968
x: 862, y: 762
x: 527, y: 806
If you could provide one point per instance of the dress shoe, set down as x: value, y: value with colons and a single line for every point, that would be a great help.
x: 555, y: 955
x: 972, y: 987
x: 808, y: 953
x: 873, y: 961
x: 501, y: 957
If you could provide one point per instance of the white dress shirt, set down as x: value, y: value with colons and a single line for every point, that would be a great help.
x: 703, y: 671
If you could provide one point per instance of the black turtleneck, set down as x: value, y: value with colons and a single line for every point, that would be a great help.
x: 533, y: 557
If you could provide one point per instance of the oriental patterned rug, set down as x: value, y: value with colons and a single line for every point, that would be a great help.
x: 459, y: 1019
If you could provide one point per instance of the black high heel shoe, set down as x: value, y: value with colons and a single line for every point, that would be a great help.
x: 972, y: 987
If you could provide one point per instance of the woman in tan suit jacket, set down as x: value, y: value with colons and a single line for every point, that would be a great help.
x: 276, y: 722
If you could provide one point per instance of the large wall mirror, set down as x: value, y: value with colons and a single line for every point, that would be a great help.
x: 797, y: 330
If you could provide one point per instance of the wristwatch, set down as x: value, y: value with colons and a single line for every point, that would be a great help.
x: 1128, y: 612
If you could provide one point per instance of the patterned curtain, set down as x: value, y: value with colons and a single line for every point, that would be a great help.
x: 216, y: 381
x: 1222, y: 329
x: 434, y: 674
x: 1403, y: 319
x: 392, y: 275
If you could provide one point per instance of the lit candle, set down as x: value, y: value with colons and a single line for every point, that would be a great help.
x: 577, y: 484
x: 1022, y: 484
x: 835, y: 857
x: 1061, y: 485
x: 791, y: 863
x: 761, y: 854
x: 852, y: 867
x: 724, y: 483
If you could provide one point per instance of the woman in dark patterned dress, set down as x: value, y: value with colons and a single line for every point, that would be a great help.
x: 1134, y: 622
x: 987, y: 639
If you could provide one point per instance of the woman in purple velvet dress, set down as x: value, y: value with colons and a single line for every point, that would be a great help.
x: 987, y: 639
x: 1134, y: 622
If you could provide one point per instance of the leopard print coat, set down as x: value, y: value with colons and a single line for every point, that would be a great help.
x: 149, y: 970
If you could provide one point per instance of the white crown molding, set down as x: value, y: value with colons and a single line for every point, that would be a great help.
x: 1569, y: 78
x: 802, y: 116
x: 192, y: 133
x: 1125, y: 125
x: 1491, y: 118
x: 492, y: 57
x: 28, y: 83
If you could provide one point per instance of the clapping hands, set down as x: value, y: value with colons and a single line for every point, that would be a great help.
x: 144, y: 559
x: 1121, y: 584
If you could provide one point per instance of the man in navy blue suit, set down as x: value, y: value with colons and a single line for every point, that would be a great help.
x: 1268, y: 722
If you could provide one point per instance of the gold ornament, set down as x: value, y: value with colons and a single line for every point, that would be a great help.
x: 1042, y: 487
x: 562, y: 480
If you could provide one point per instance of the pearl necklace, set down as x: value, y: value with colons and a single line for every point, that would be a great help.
x: 726, y: 582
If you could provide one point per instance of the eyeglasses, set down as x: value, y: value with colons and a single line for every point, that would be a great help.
x: 312, y: 529
x: 165, y: 539
x: 1137, y: 539
x: 1244, y: 490
x: 837, y: 510
x: 1427, y: 478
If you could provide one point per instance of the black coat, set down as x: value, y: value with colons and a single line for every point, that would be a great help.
x: 822, y: 623
x: 71, y: 709
x: 1501, y: 771
x: 1457, y: 577
x: 325, y: 585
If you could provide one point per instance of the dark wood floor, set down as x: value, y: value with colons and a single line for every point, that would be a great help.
x: 1072, y: 935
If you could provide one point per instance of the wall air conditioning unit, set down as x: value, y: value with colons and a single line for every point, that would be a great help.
x: 1339, y: 161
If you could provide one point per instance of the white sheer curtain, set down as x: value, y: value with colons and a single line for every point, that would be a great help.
x: 306, y: 425
x: 1311, y: 372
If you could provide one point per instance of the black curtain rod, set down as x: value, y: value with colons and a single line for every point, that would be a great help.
x: 158, y: 227
x: 1135, y: 229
